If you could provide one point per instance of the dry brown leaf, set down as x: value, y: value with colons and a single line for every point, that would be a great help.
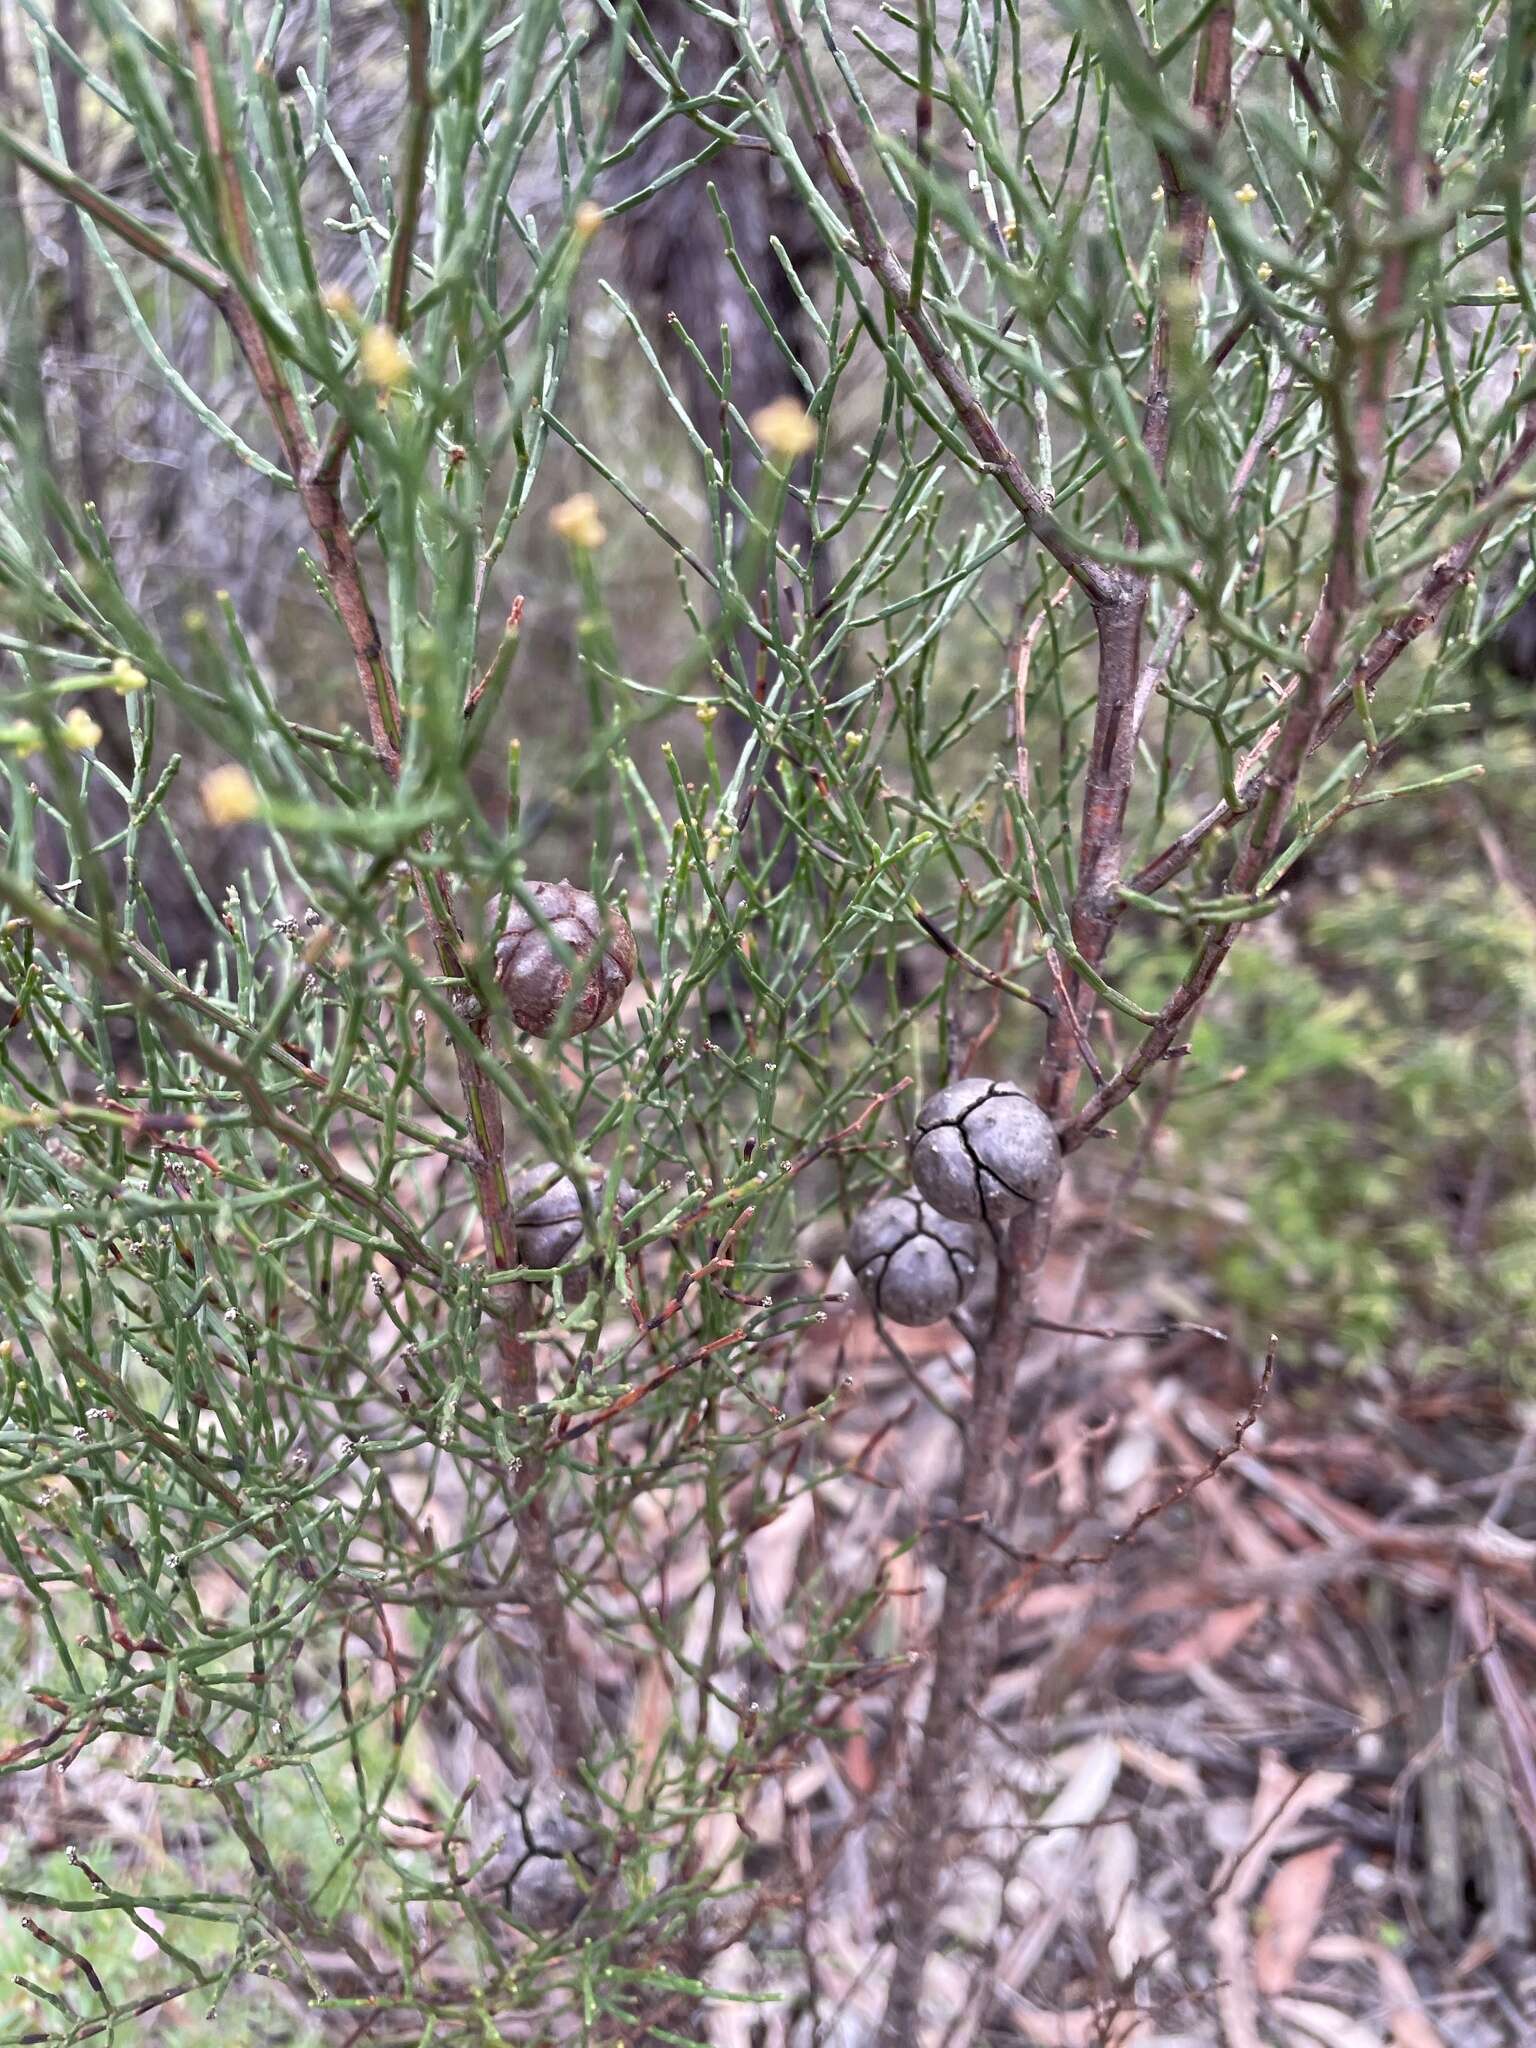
x: 1288, y: 1915
x: 651, y: 1712
x: 1413, y: 2028
x: 728, y: 2014
x: 1410, y: 2024
x: 904, y: 1589
x: 858, y: 1766
x: 1065, y: 1439
x: 1237, y: 2003
x: 1311, y: 2024
x: 1093, y: 1768
x: 1172, y: 1773
x: 773, y: 1555
x: 1281, y: 1802
x: 1135, y: 1932
x: 1047, y: 1602
x: 1130, y: 1462
x: 1082, y: 2028
x: 1216, y: 1637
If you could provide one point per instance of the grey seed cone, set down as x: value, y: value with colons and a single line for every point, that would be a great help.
x: 984, y: 1151
x: 537, y: 980
x: 547, y: 1212
x: 913, y: 1265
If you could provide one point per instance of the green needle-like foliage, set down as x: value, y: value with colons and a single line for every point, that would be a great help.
x: 1168, y: 386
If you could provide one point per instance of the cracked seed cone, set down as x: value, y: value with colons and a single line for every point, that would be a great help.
x: 984, y: 1151
x: 547, y: 1212
x: 537, y: 981
x: 913, y: 1265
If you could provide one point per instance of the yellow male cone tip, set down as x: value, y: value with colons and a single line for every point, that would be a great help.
x: 576, y: 520
x: 230, y: 796
x: 124, y: 677
x: 338, y: 300
x: 384, y: 359
x: 589, y: 219
x: 1245, y: 195
x: 79, y: 730
x: 785, y: 429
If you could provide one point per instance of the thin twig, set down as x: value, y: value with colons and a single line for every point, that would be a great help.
x: 1158, y: 1330
x: 982, y: 972
x: 1096, y: 902
x: 1509, y: 1707
x: 319, y: 492
x: 1173, y: 1499
x: 1358, y: 409
x: 1447, y: 575
x: 1103, y: 585
x: 138, y: 234
x: 1064, y: 998
x: 956, y: 1647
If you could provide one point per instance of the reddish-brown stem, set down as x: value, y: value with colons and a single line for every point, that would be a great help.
x: 1119, y: 600
x: 127, y: 226
x: 319, y: 493
x: 1064, y: 997
x: 956, y: 1651
x: 1102, y: 585
x: 1189, y: 219
x: 1106, y: 794
x: 409, y: 188
x: 418, y: 137
x: 1358, y: 397
x: 1112, y: 754
x: 1182, y: 610
x: 231, y: 193
x: 1445, y: 577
